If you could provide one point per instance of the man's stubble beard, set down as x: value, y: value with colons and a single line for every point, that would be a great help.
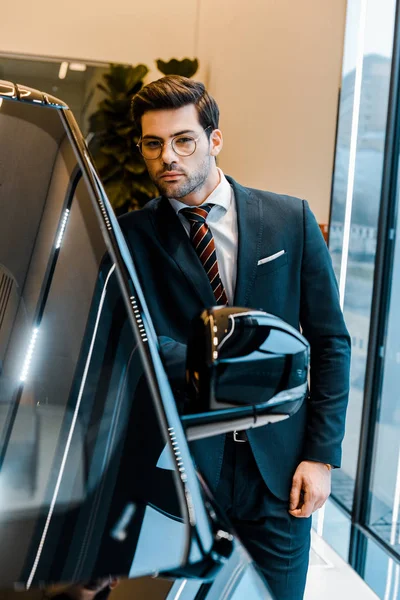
x: 191, y: 183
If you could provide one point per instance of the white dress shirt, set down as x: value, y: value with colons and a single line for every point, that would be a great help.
x: 222, y: 220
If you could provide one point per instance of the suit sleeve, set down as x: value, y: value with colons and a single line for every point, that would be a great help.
x: 173, y: 355
x: 174, y: 358
x: 323, y: 326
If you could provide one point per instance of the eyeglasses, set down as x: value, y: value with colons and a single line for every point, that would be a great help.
x: 182, y: 145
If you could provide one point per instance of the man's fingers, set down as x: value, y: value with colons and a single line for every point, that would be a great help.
x: 307, y: 508
x: 301, y: 513
x: 295, y: 493
x: 296, y: 513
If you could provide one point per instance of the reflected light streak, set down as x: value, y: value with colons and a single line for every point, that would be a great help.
x: 353, y: 149
x: 24, y: 93
x: 70, y: 434
x: 63, y: 225
x: 76, y: 66
x: 396, y: 582
x: 396, y: 504
x: 181, y: 587
x: 63, y: 70
x: 1, y: 102
x: 321, y: 520
x: 119, y: 531
x: 29, y: 354
x: 389, y: 579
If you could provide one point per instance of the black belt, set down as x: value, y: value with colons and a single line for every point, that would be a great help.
x: 239, y: 436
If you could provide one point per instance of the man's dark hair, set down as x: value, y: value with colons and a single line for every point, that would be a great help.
x: 175, y: 91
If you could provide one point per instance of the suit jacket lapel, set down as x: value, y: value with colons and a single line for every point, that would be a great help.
x: 250, y: 229
x: 176, y: 242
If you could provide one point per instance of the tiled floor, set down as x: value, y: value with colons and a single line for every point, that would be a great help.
x: 331, y: 578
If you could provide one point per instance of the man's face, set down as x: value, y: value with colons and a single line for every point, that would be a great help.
x: 179, y: 176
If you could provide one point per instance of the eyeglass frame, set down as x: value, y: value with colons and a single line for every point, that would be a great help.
x: 162, y: 144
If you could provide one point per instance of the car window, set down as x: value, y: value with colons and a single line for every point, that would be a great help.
x: 87, y: 484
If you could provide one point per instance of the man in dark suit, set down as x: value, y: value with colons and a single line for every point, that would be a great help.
x: 209, y: 240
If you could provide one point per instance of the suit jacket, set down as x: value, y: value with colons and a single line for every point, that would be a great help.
x: 299, y: 286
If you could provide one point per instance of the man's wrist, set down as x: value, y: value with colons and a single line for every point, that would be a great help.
x: 328, y: 466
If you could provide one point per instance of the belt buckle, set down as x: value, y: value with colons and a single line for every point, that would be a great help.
x: 238, y: 439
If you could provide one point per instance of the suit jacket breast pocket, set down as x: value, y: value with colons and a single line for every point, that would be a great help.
x: 273, y: 265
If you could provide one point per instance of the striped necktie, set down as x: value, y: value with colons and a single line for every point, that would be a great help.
x: 203, y: 242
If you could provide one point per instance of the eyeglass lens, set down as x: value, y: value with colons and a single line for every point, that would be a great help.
x: 182, y: 145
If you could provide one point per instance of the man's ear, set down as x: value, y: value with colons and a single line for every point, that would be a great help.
x: 216, y: 142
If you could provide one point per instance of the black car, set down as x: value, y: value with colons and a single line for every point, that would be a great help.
x: 96, y: 473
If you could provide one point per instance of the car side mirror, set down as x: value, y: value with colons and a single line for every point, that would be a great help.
x: 245, y: 368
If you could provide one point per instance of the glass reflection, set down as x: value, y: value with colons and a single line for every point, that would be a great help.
x: 357, y: 186
x: 384, y: 515
x: 382, y: 573
x: 81, y: 490
x: 333, y: 524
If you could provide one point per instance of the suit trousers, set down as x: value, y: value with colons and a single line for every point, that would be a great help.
x: 277, y: 542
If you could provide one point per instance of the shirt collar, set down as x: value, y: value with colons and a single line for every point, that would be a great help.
x: 221, y: 196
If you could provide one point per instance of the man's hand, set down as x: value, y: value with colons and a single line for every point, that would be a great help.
x: 311, y: 487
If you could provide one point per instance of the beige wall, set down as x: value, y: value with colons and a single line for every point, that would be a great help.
x: 117, y: 30
x: 274, y: 67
